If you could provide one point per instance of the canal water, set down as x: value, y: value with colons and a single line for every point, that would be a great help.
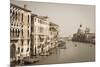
x: 74, y: 52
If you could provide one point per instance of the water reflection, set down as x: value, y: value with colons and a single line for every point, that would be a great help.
x: 74, y: 52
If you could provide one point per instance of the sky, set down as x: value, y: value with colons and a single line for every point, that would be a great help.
x: 67, y: 16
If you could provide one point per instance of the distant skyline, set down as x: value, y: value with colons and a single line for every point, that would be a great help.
x: 67, y: 16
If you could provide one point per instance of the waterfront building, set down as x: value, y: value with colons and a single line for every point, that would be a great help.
x: 30, y: 34
x: 20, y: 29
x: 40, y: 34
x: 85, y: 36
x: 54, y: 34
x: 90, y: 37
x: 33, y: 47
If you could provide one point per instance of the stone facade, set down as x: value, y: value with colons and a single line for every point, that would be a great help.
x: 20, y: 29
x: 54, y: 34
x: 40, y: 33
x: 30, y: 34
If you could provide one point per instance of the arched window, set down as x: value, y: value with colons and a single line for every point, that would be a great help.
x: 10, y: 13
x: 15, y: 32
x: 18, y: 51
x: 22, y: 50
x: 13, y: 15
x: 16, y: 15
x: 28, y: 42
x: 12, y: 51
x: 18, y: 32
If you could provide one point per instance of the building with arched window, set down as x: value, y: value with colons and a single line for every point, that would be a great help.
x: 44, y: 35
x: 40, y: 34
x: 30, y: 34
x: 20, y: 29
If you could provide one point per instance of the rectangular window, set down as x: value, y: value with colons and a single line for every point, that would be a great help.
x: 27, y: 42
x: 22, y: 17
x: 11, y: 32
x: 22, y: 32
x: 28, y: 19
x: 22, y: 42
x: 22, y: 50
x: 28, y: 33
x: 31, y: 28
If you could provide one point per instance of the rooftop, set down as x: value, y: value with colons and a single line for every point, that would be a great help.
x: 20, y: 7
x: 53, y: 24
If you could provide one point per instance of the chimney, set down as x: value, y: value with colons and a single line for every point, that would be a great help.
x: 25, y: 6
